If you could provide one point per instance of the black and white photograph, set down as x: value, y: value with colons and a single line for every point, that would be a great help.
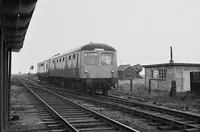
x: 99, y: 66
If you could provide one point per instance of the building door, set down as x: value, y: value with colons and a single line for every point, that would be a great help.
x: 195, y: 82
x: 186, y: 80
x: 179, y: 80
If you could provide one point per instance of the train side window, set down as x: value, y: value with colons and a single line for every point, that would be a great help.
x: 74, y: 56
x: 69, y: 57
x: 63, y: 58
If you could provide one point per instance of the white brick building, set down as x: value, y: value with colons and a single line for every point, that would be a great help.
x: 160, y: 76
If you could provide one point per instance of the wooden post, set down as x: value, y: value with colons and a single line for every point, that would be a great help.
x: 131, y: 85
x: 117, y: 83
x: 149, y: 86
x: 173, y: 89
x: 1, y: 83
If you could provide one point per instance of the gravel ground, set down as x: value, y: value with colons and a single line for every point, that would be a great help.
x: 132, y: 121
x: 23, y: 106
x: 184, y: 101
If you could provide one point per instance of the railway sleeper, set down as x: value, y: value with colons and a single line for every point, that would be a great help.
x: 76, y: 116
x: 96, y: 129
x: 83, y: 121
x: 50, y: 122
x: 49, y: 119
x: 192, y: 130
x: 55, y: 126
x: 153, y: 123
x: 73, y: 114
x: 166, y: 127
x: 67, y: 109
x: 44, y: 114
x: 69, y: 112
x: 90, y: 124
x: 59, y: 130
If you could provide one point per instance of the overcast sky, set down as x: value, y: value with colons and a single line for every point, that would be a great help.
x: 141, y: 31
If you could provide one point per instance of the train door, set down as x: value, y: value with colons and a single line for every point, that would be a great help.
x: 47, y: 68
x: 57, y: 66
x: 50, y: 66
x: 63, y: 62
x: 60, y: 63
x: 77, y: 60
x: 66, y: 60
x: 70, y: 61
x: 74, y: 61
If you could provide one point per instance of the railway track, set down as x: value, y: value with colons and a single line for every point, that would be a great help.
x: 180, y: 119
x: 176, y: 120
x: 164, y: 118
x: 71, y: 116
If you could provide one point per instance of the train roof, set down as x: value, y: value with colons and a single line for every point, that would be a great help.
x: 93, y: 46
x: 87, y: 47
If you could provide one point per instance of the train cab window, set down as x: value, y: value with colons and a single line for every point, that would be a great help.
x: 70, y: 57
x: 91, y: 58
x: 74, y: 56
x: 106, y: 58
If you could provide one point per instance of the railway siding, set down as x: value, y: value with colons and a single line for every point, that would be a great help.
x: 24, y: 115
x: 79, y: 117
x: 165, y: 119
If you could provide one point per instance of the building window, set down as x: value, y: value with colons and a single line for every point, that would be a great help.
x: 70, y: 57
x: 162, y: 73
x: 74, y: 56
x: 152, y: 74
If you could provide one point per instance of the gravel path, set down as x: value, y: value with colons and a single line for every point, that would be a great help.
x: 23, y: 105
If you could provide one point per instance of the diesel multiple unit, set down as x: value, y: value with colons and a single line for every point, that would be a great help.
x: 92, y: 67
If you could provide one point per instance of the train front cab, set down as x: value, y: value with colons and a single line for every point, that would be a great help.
x: 99, y: 70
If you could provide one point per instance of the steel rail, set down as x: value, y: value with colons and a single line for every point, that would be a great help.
x: 143, y: 113
x: 156, y: 117
x: 114, y: 123
x: 182, y: 124
x: 57, y: 115
x: 165, y: 110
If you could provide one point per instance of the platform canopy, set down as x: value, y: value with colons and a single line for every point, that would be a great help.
x: 15, y: 19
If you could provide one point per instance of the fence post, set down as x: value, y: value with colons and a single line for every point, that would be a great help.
x: 131, y: 85
x: 173, y: 89
x: 149, y: 86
